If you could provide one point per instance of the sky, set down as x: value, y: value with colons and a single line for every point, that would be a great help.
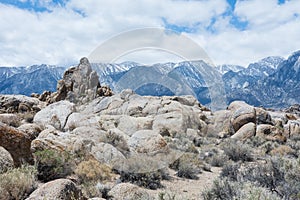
x: 229, y: 31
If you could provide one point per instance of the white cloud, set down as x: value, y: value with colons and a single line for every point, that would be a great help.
x: 68, y: 33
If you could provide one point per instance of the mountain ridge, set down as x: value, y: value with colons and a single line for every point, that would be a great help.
x: 270, y: 82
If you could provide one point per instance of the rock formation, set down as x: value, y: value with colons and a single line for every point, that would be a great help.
x: 79, y: 85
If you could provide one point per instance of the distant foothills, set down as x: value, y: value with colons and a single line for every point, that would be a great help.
x: 273, y: 82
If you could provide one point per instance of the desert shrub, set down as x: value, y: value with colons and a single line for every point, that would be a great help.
x: 218, y: 160
x: 278, y: 175
x: 294, y: 144
x: 53, y: 164
x: 143, y: 171
x: 237, y: 151
x: 222, y: 189
x: 255, y: 141
x: 117, y: 141
x: 92, y: 170
x: 18, y: 183
x: 252, y: 192
x: 166, y: 196
x: 269, y: 146
x: 182, y: 144
x: 230, y: 171
x: 188, y: 166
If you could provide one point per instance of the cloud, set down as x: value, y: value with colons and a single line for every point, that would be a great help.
x: 68, y: 30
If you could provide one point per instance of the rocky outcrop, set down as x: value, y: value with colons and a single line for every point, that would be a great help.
x: 57, y: 189
x: 294, y: 109
x: 19, y: 104
x: 111, y: 129
x: 79, y: 85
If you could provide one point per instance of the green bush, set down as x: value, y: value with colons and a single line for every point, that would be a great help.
x: 18, y: 183
x: 53, y: 164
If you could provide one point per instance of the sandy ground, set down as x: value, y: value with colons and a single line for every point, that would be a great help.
x: 186, y: 189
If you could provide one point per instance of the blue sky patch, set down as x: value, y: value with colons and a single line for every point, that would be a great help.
x: 35, y: 6
x: 180, y: 29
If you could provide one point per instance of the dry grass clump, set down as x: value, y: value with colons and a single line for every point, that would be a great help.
x: 18, y: 183
x: 90, y: 174
x: 92, y: 170
x: 282, y: 150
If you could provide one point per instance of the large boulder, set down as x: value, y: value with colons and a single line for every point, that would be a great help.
x: 278, y: 117
x: 263, y: 116
x: 245, y: 132
x: 220, y: 124
x: 269, y: 132
x: 106, y: 153
x: 292, y: 128
x: 242, y: 116
x: 55, y: 114
x: 57, y: 189
x: 32, y: 130
x: 129, y: 191
x: 129, y: 124
x: 147, y: 141
x: 233, y: 106
x: 17, y: 143
x: 6, y: 161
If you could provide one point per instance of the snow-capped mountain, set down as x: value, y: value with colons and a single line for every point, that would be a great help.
x: 281, y: 88
x: 270, y: 82
x: 31, y: 79
x: 223, y: 69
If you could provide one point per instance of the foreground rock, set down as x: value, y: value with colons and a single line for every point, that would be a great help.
x: 6, y: 161
x: 129, y: 192
x: 57, y: 189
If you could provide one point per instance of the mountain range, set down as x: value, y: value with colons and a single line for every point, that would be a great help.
x: 273, y: 82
